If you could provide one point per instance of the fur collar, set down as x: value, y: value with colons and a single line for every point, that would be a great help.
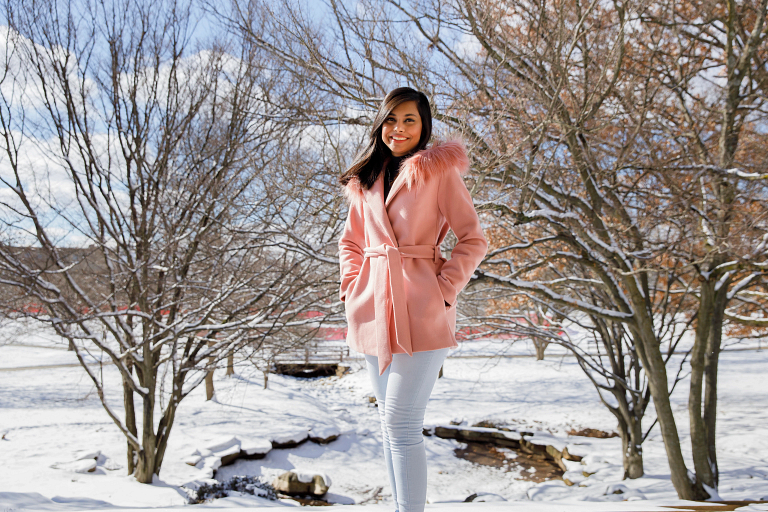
x: 424, y: 165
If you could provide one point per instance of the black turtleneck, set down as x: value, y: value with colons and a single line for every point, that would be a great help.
x: 391, y: 172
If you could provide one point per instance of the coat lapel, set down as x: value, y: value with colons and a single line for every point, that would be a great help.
x: 375, y: 199
x: 396, y: 186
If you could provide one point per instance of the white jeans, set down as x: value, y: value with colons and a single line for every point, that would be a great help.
x: 402, y: 393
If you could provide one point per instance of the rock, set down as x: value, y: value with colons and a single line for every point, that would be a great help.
x: 504, y: 438
x: 221, y: 444
x: 85, y: 462
x: 592, y: 432
x: 94, y: 454
x: 299, y: 483
x: 557, y: 456
x: 84, y: 466
x: 616, y: 489
x: 324, y: 434
x: 290, y: 439
x: 483, y: 497
x: 320, y: 485
x: 77, y: 466
x: 568, y: 453
x: 535, y: 449
x: 228, y: 455
x: 254, y: 448
x: 573, y: 477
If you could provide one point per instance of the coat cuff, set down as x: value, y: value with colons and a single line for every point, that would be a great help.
x: 448, y: 290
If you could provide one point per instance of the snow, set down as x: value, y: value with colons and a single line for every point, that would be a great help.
x: 54, y: 427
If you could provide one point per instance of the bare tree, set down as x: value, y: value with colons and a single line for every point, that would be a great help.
x: 141, y: 166
x: 715, y: 70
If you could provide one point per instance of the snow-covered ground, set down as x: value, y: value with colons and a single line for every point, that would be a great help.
x: 52, y: 426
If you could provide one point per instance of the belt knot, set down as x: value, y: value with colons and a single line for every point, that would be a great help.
x: 389, y: 287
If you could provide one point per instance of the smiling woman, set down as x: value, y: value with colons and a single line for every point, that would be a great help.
x: 399, y: 291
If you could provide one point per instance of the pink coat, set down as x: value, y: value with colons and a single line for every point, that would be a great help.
x: 394, y: 280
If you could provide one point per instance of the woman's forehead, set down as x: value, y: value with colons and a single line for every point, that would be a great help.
x: 406, y: 108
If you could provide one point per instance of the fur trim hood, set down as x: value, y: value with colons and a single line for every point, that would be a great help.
x: 421, y: 167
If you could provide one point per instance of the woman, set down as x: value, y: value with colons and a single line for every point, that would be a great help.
x: 399, y: 292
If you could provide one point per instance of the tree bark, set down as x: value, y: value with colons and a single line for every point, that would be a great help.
x: 230, y: 364
x: 699, y: 439
x: 710, y: 390
x: 130, y: 422
x: 631, y: 447
x: 209, y: 391
x: 653, y: 362
x: 147, y: 457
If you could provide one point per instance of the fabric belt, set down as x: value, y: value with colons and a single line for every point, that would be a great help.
x: 389, y: 288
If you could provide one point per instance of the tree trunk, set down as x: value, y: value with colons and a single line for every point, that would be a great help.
x: 631, y: 443
x: 230, y: 364
x: 266, y: 378
x: 209, y: 391
x: 699, y: 438
x: 166, y: 422
x: 130, y: 422
x: 653, y: 362
x: 710, y: 391
x: 440, y: 375
x: 540, y: 346
x: 146, y: 460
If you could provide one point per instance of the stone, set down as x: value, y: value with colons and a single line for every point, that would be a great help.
x: 507, y: 439
x: 228, y: 455
x: 324, y: 434
x: 299, y: 483
x: 573, y: 478
x: 254, y: 448
x: 319, y: 485
x: 192, y: 460
x: 88, y: 455
x: 290, y: 439
x: 483, y: 497
x: 77, y: 466
x: 569, y: 455
x: 220, y: 444
x: 616, y: 489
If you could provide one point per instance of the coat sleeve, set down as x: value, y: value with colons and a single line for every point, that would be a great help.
x: 351, y: 247
x: 456, y: 205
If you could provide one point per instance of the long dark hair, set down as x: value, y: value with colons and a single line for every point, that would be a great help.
x: 370, y: 162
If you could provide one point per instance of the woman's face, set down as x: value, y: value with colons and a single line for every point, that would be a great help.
x: 401, y: 130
